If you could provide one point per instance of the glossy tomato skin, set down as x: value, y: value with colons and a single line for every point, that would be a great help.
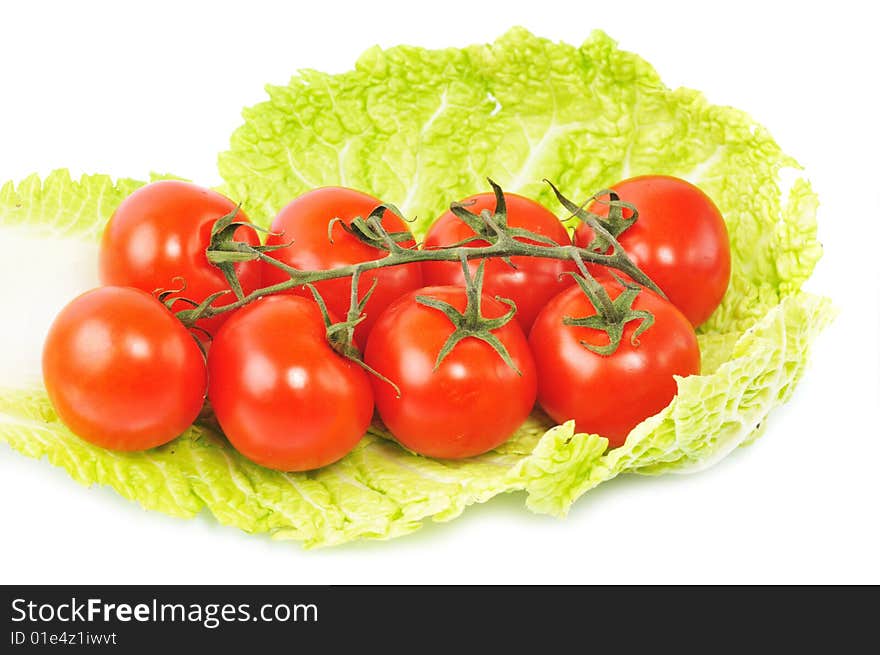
x: 284, y: 398
x: 610, y: 395
x: 532, y: 283
x: 304, y: 221
x: 679, y: 240
x: 121, y: 371
x: 472, y: 403
x: 160, y: 232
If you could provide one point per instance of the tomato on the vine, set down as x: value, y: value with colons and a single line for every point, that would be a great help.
x: 531, y: 281
x: 284, y: 398
x: 610, y: 394
x: 304, y: 224
x: 679, y: 240
x: 121, y: 371
x: 468, y: 405
x: 159, y: 235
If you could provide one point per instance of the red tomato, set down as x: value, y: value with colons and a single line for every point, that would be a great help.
x: 121, y: 371
x: 304, y: 222
x: 283, y: 396
x: 679, y: 241
x: 473, y: 402
x: 532, y: 283
x: 610, y: 395
x: 161, y: 232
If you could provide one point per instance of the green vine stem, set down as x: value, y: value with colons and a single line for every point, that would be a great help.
x: 490, y: 228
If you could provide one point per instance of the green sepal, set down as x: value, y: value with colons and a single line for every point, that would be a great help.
x: 471, y: 322
x: 339, y: 335
x: 370, y: 230
x: 611, y: 322
x: 224, y: 251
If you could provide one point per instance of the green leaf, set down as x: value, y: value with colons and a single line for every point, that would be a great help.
x: 420, y: 128
x: 60, y: 206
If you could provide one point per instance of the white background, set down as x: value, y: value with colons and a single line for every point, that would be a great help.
x: 113, y: 88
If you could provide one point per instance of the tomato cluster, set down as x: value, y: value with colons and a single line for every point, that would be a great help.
x: 123, y: 373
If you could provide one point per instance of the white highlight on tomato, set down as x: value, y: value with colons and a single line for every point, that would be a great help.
x: 297, y: 377
x: 172, y: 246
x: 259, y: 373
x: 139, y: 348
x: 143, y: 244
x: 93, y: 340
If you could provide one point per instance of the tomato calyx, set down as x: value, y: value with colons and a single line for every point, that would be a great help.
x: 491, y: 225
x: 611, y: 316
x: 224, y: 251
x: 370, y: 230
x: 611, y: 226
x: 471, y: 322
x: 340, y: 334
